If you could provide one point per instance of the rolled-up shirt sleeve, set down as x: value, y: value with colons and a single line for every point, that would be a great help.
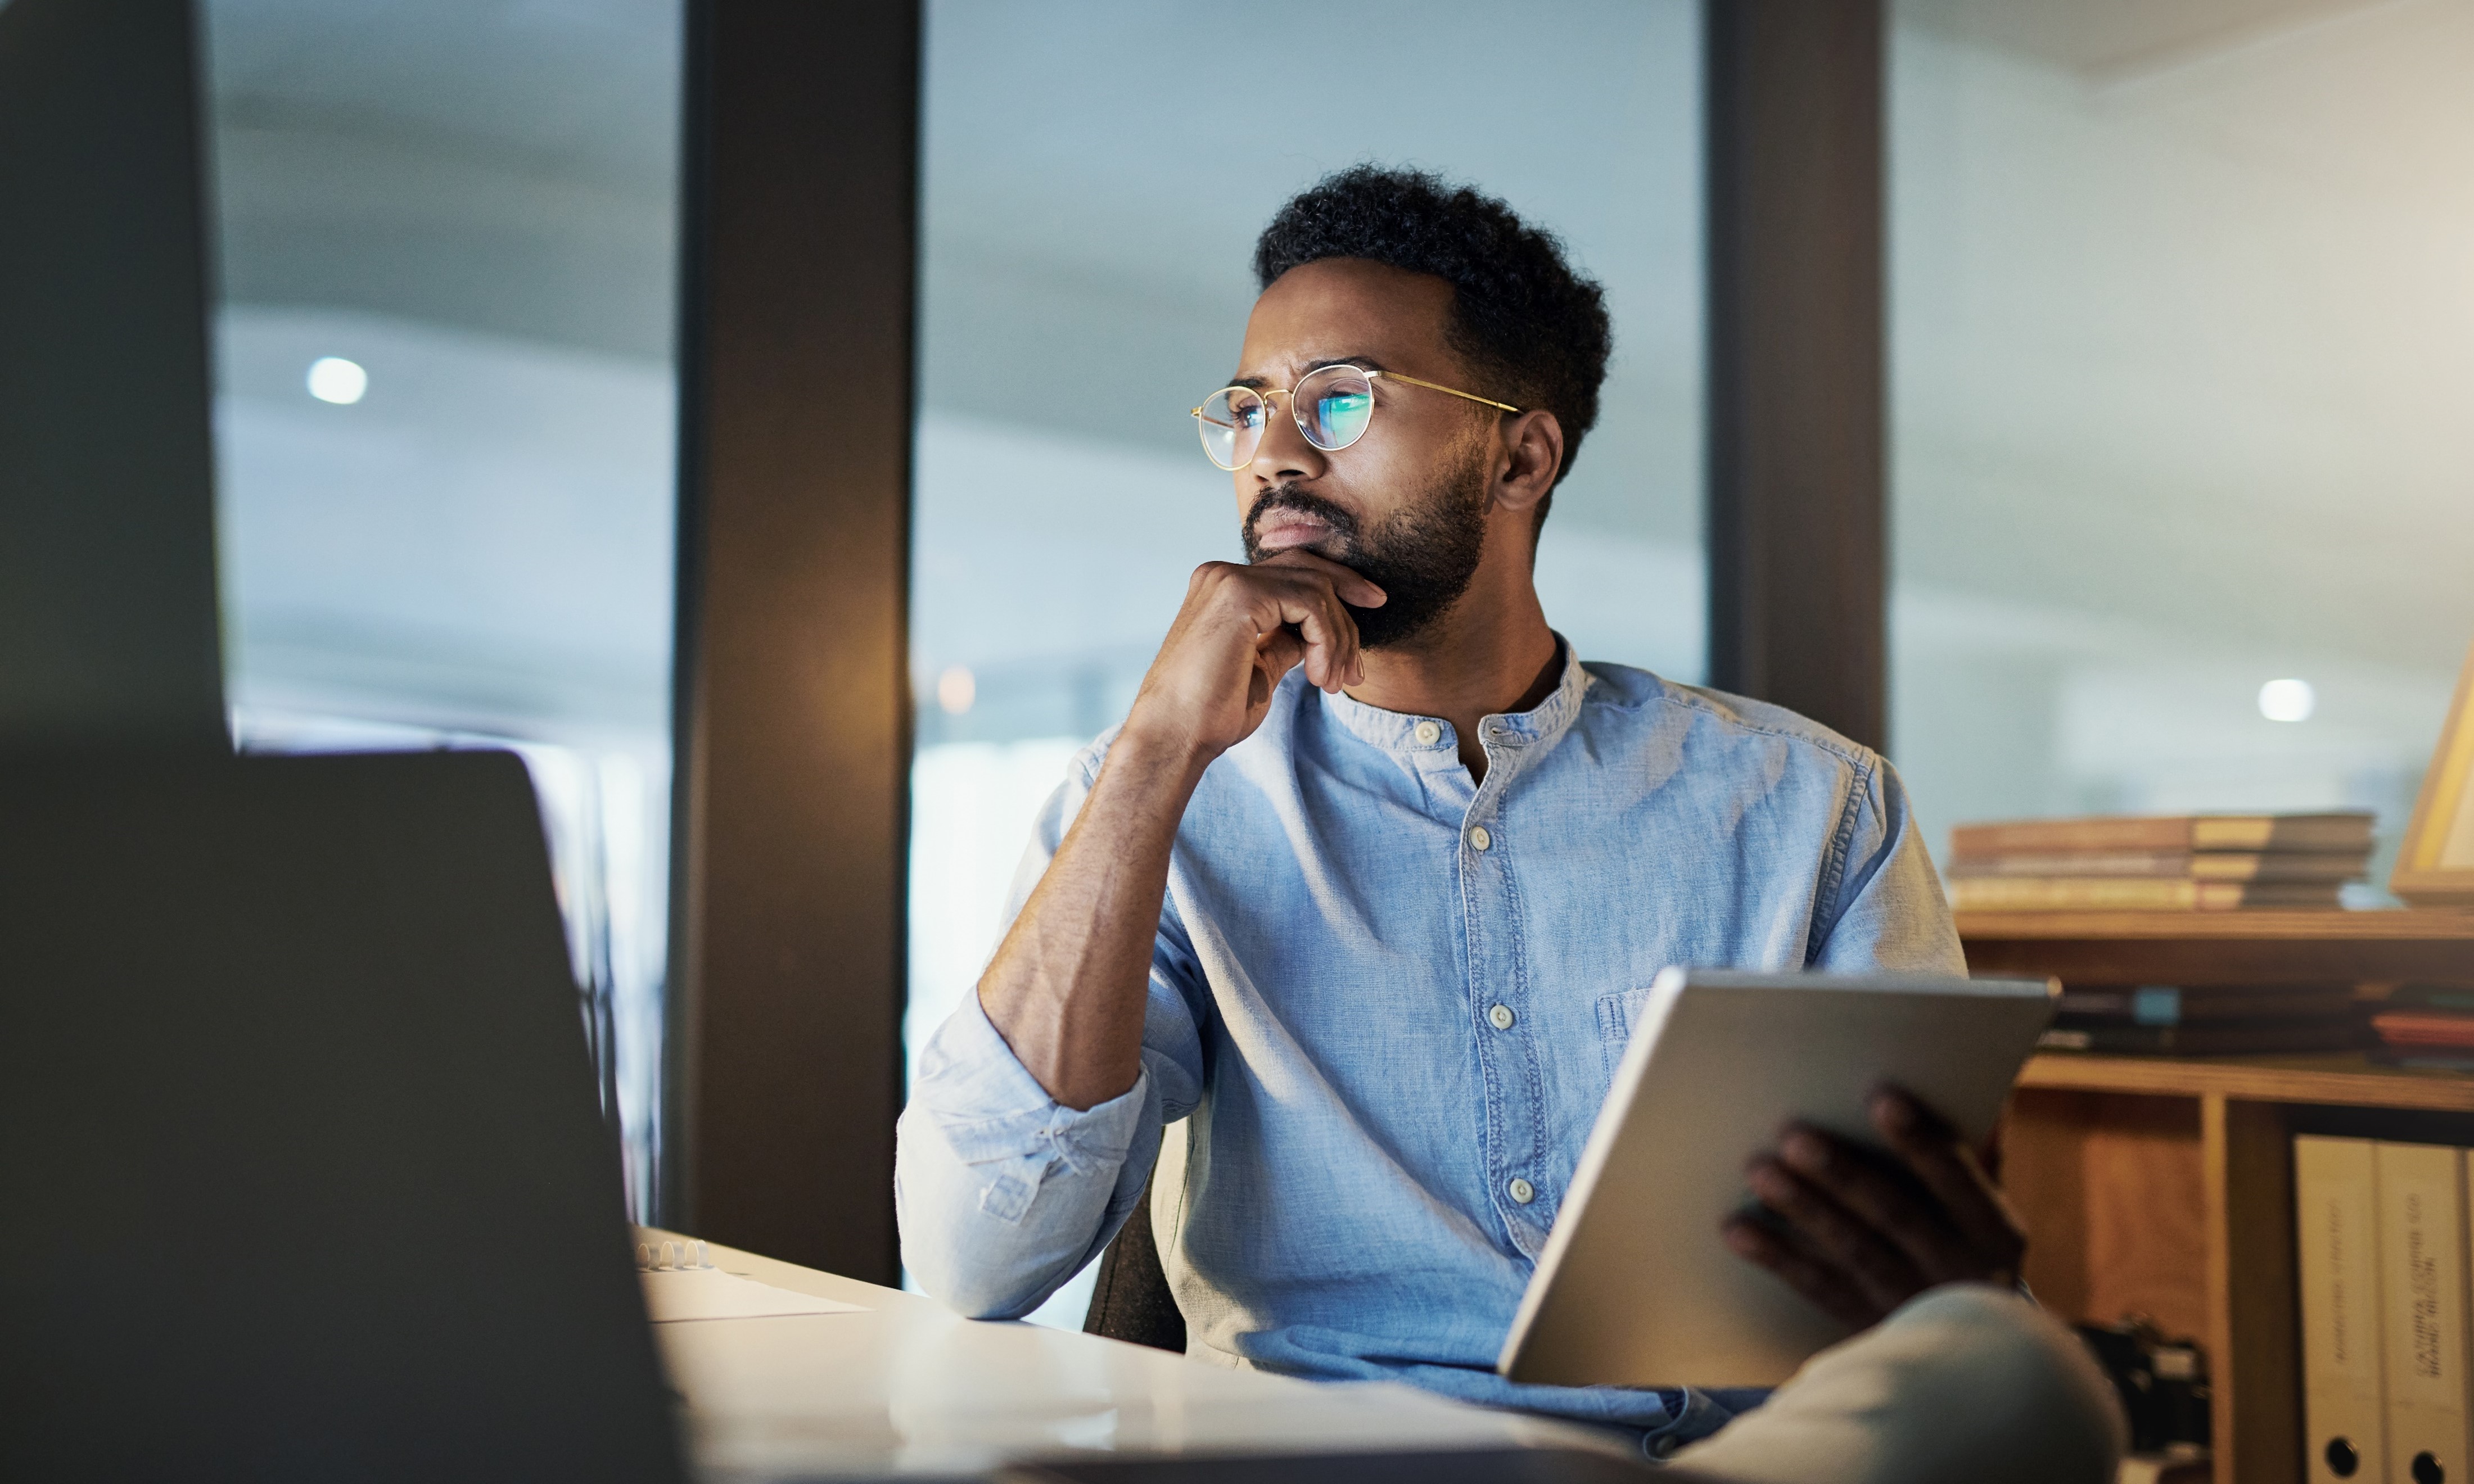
x: 1004, y: 1193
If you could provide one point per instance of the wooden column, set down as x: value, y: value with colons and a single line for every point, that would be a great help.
x: 2254, y: 1332
x: 1793, y: 90
x: 800, y: 207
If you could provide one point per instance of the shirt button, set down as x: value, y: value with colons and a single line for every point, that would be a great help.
x: 1428, y: 733
x: 1522, y: 1190
x: 1500, y: 1017
x: 1479, y: 839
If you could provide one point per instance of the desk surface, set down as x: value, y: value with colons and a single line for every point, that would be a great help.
x: 909, y: 1388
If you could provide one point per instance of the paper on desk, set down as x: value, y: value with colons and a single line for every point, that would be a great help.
x: 709, y: 1293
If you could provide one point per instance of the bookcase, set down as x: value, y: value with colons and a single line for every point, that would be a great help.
x: 2164, y: 1186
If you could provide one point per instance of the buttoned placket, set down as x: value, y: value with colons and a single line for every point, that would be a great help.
x: 1521, y: 1187
x: 1509, y: 1059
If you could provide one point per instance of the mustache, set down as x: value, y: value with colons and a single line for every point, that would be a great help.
x: 1305, y: 502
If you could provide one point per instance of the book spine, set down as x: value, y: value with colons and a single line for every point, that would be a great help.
x: 2422, y: 1289
x: 2044, y: 894
x: 2077, y: 863
x: 2282, y: 833
x: 2028, y: 836
x: 2232, y: 834
x: 2129, y: 893
x: 2300, y: 867
x: 2337, y: 1239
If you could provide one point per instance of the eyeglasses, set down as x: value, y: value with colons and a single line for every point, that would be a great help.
x: 1333, y: 405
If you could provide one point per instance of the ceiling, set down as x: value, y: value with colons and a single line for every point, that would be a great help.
x: 505, y: 165
x: 2112, y: 38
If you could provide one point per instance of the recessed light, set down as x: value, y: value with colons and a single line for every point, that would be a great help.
x: 956, y: 690
x: 334, y: 379
x: 2286, y: 700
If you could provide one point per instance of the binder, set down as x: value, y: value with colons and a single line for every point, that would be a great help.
x: 2335, y: 1214
x: 2422, y: 1285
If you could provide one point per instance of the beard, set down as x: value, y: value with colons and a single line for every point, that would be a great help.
x: 1422, y: 556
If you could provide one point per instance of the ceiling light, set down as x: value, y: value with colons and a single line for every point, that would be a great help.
x: 2286, y: 700
x: 956, y: 690
x: 334, y: 379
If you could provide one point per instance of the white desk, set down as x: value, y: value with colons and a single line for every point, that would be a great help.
x: 908, y: 1387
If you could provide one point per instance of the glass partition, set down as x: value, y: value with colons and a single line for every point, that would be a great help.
x: 444, y: 421
x: 1094, y: 175
x: 2182, y: 342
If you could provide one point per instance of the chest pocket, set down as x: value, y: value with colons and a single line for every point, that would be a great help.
x: 1616, y: 1014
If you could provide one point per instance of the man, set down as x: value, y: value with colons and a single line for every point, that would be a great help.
x: 1374, y: 874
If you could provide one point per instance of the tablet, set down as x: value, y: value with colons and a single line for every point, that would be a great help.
x: 1635, y: 1286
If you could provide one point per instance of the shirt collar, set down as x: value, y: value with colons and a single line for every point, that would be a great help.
x: 1398, y: 731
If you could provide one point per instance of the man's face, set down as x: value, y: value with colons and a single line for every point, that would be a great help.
x: 1406, y: 504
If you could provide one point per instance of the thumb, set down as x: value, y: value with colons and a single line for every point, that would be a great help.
x: 1358, y: 590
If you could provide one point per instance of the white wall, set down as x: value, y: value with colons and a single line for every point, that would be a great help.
x: 2183, y: 339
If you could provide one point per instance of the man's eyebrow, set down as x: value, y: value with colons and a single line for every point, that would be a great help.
x: 1366, y: 362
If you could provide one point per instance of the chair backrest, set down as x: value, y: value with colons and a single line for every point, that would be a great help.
x: 1131, y: 1301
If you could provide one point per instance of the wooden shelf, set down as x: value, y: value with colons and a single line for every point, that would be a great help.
x: 2426, y: 946
x: 2396, y: 924
x: 2336, y: 1080
x: 2164, y: 1186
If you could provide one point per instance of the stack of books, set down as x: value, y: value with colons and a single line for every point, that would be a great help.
x: 2207, y: 1021
x: 2426, y: 1026
x: 2161, y: 863
x: 2381, y: 1231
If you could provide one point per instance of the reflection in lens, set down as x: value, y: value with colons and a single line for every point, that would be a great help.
x: 1232, y: 424
x: 1335, y: 404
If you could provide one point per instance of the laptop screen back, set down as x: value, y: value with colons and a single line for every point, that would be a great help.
x: 306, y: 1171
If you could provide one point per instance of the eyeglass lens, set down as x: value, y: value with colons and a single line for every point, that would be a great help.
x: 1332, y: 407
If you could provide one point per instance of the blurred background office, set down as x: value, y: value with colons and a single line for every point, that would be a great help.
x: 444, y: 422
x: 2180, y: 342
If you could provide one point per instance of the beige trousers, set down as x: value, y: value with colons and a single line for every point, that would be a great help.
x: 1966, y: 1383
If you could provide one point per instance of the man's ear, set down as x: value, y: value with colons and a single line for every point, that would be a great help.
x: 1533, y: 455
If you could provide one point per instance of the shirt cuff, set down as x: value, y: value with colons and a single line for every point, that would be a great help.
x: 990, y: 1109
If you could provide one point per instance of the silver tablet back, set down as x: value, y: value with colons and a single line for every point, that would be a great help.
x: 1635, y: 1287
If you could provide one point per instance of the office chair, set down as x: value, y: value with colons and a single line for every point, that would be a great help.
x: 1131, y: 1301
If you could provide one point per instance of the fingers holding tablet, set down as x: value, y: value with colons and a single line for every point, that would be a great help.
x: 1774, y: 1246
x: 1860, y: 1233
x: 1821, y: 1248
x: 1970, y: 1198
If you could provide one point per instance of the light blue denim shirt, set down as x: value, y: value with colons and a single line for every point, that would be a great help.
x: 1391, y: 999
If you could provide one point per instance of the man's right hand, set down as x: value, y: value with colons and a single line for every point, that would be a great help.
x: 1066, y: 988
x: 1241, y: 629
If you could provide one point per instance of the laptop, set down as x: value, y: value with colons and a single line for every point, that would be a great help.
x: 305, y: 1167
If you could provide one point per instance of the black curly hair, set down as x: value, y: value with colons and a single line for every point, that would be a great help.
x: 1537, y: 330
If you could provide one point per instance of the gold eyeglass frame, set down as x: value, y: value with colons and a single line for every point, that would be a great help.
x: 1291, y: 394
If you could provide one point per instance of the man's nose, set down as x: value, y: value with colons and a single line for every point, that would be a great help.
x: 1284, y: 454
